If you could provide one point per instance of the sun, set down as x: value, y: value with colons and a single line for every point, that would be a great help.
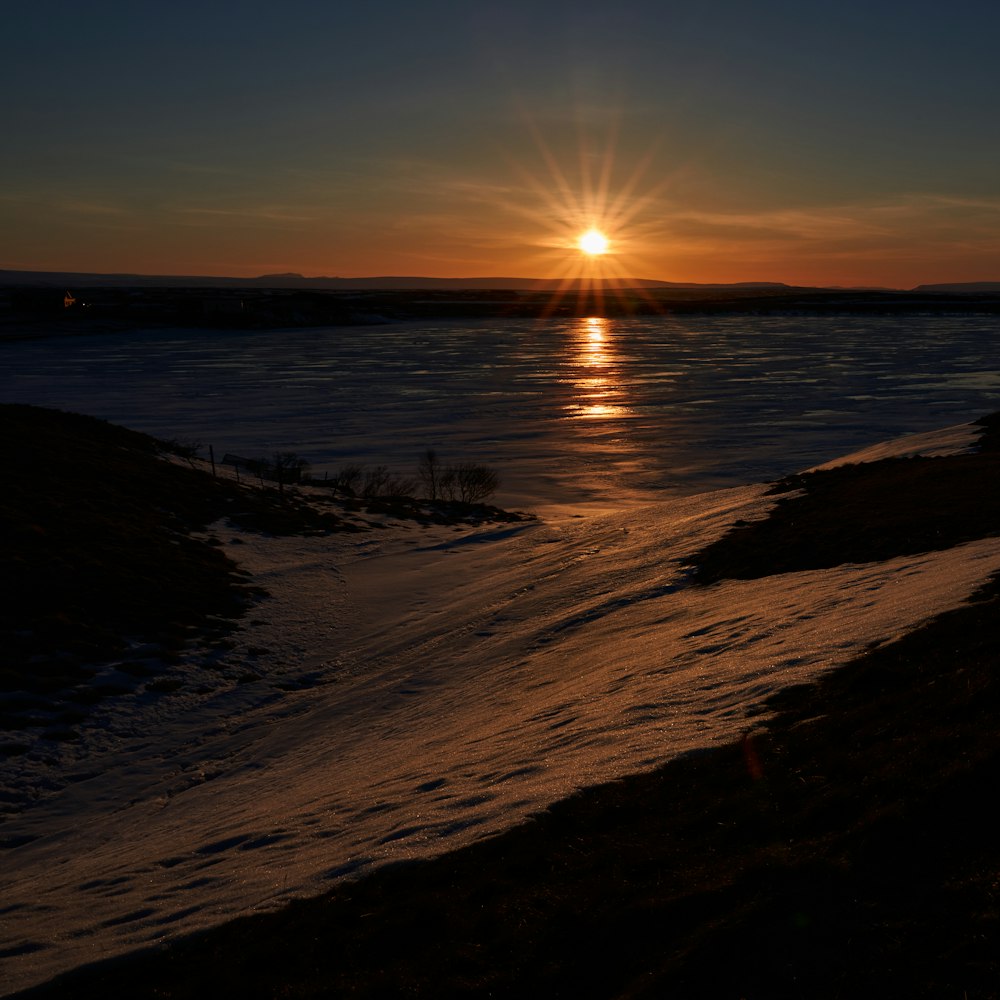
x: 593, y: 243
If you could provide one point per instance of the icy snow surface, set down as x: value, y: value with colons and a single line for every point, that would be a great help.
x: 422, y: 687
x: 456, y: 682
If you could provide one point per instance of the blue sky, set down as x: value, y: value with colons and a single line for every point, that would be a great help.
x: 805, y: 142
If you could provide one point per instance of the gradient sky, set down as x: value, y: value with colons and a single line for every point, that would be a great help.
x: 813, y: 143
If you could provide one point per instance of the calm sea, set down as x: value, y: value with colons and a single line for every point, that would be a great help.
x: 575, y: 410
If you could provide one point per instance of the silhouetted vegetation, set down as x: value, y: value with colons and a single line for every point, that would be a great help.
x: 347, y: 479
x: 467, y: 483
x: 429, y: 473
x: 287, y: 467
x: 379, y: 481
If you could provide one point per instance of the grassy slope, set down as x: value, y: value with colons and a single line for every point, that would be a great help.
x: 845, y: 849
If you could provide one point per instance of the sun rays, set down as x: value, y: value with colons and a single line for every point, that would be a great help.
x: 596, y: 218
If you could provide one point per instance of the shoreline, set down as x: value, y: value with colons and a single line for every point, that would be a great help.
x: 38, y: 312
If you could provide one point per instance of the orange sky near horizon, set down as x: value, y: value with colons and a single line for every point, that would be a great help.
x: 527, y: 225
x: 893, y: 243
x: 758, y: 143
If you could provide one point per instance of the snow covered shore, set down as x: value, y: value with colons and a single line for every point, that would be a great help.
x: 420, y: 688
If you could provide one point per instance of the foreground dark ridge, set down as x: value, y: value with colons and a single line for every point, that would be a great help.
x: 846, y: 848
x: 98, y: 534
x: 865, y: 512
x: 105, y: 540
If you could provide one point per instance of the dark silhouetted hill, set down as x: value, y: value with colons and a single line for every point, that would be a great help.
x: 962, y: 287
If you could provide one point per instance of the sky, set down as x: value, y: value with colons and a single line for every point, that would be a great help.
x: 813, y: 143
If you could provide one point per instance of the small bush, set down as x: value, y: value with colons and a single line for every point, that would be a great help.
x: 400, y: 486
x: 348, y: 478
x: 375, y: 482
x: 429, y: 472
x: 182, y: 449
x: 287, y: 467
x: 469, y: 483
x: 466, y: 483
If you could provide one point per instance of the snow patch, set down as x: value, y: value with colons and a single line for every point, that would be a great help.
x: 421, y: 688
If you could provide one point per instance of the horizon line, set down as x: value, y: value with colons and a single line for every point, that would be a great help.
x: 486, y: 282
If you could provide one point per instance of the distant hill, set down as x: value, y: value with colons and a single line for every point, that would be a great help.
x: 292, y: 280
x: 962, y: 287
x: 77, y: 279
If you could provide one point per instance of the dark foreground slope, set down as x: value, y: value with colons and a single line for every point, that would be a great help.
x: 107, y: 558
x: 847, y: 848
x: 105, y: 554
x: 99, y: 551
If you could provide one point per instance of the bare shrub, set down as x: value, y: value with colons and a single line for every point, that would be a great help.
x: 467, y: 483
x: 400, y: 486
x: 447, y: 485
x: 285, y: 467
x: 376, y: 479
x: 348, y: 478
x: 429, y: 472
x: 475, y: 483
x: 182, y: 449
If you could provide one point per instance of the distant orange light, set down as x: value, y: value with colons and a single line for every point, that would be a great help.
x: 593, y: 243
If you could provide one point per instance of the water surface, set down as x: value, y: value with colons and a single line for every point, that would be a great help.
x: 573, y: 410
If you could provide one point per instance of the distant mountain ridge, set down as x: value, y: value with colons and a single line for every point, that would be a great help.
x: 82, y: 279
x: 292, y: 280
x: 962, y: 287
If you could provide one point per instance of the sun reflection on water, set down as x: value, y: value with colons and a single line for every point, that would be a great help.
x: 598, y: 378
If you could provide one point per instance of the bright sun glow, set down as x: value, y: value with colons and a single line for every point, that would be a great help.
x: 593, y: 242
x: 578, y: 205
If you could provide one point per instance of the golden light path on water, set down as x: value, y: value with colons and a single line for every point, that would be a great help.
x: 597, y: 380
